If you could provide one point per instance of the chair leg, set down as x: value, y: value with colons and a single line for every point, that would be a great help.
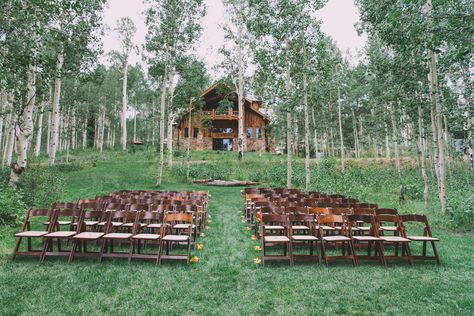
x: 160, y: 249
x: 323, y: 252
x: 103, y: 247
x: 17, y: 246
x: 45, y: 249
x: 73, y: 250
x: 354, y: 257
x: 131, y: 249
x: 435, y: 252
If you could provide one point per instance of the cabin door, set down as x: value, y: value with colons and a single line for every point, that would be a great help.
x: 222, y: 144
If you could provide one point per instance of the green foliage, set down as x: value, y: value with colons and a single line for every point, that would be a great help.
x: 12, y: 206
x: 42, y: 186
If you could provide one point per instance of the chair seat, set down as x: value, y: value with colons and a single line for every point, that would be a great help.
x: 300, y: 227
x: 176, y: 238
x: 422, y: 238
x: 274, y: 227
x: 336, y: 238
x: 117, y: 236
x: 388, y: 228
x: 31, y: 233
x: 363, y: 228
x: 61, y: 234
x: 324, y: 227
x: 131, y: 225
x: 304, y: 237
x: 276, y: 239
x: 147, y: 236
x: 88, y: 223
x: 114, y: 224
x: 394, y: 239
x: 88, y: 235
x: 366, y: 238
x: 154, y: 225
x: 60, y: 223
x: 183, y: 226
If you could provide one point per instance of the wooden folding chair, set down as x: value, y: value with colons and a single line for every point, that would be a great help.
x: 425, y: 238
x: 303, y: 233
x: 60, y: 235
x: 26, y: 232
x: 335, y: 221
x: 396, y: 240
x: 112, y: 234
x: 140, y: 234
x: 63, y: 206
x: 273, y: 222
x: 354, y: 224
x: 168, y: 238
x: 84, y: 235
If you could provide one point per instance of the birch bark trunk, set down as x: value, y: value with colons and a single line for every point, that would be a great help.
x: 123, y: 114
x: 39, y: 131
x: 162, y: 127
x: 55, y: 115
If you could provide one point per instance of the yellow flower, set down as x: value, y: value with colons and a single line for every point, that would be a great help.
x: 254, y: 237
x: 209, y: 221
x: 258, y: 248
x: 257, y: 260
x: 247, y: 228
x: 200, y: 246
x: 194, y: 259
x: 207, y: 227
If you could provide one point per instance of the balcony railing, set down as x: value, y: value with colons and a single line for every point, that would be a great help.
x: 229, y: 115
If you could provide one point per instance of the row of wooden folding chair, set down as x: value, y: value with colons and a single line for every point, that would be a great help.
x: 345, y: 231
x: 80, y: 236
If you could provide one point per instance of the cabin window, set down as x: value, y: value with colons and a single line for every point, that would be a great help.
x: 258, y: 134
x: 249, y: 132
x: 196, y: 132
x: 186, y: 132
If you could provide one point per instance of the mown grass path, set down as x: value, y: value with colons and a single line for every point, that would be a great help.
x: 225, y: 281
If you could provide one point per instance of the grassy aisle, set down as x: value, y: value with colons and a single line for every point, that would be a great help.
x: 225, y: 281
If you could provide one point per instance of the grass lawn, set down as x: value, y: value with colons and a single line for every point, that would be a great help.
x: 226, y: 281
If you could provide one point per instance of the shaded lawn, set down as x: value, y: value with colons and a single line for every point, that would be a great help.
x: 225, y: 281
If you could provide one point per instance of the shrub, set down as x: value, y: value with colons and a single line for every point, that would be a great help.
x: 12, y: 206
x: 42, y: 186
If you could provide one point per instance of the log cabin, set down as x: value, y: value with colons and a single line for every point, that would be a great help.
x: 214, y: 126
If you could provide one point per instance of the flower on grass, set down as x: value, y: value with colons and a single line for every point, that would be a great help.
x: 257, y: 248
x: 194, y: 259
x: 257, y: 260
x: 203, y: 235
x: 200, y: 246
x: 254, y: 237
x: 209, y: 221
x: 247, y: 228
x: 207, y: 227
x: 209, y: 216
x: 243, y: 221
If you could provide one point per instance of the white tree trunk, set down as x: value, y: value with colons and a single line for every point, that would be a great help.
x: 306, y: 133
x: 39, y: 131
x: 395, y: 137
x: 188, y: 151
x: 169, y: 138
x: 315, y: 138
x: 3, y: 106
x: 24, y: 128
x: 421, y: 156
x: 123, y: 114
x: 84, y: 134
x: 289, y: 170
x: 341, y: 136
x: 55, y: 115
x: 240, y: 92
x: 437, y: 116
x: 162, y: 127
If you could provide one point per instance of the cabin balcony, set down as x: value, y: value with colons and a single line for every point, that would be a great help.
x: 229, y: 115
